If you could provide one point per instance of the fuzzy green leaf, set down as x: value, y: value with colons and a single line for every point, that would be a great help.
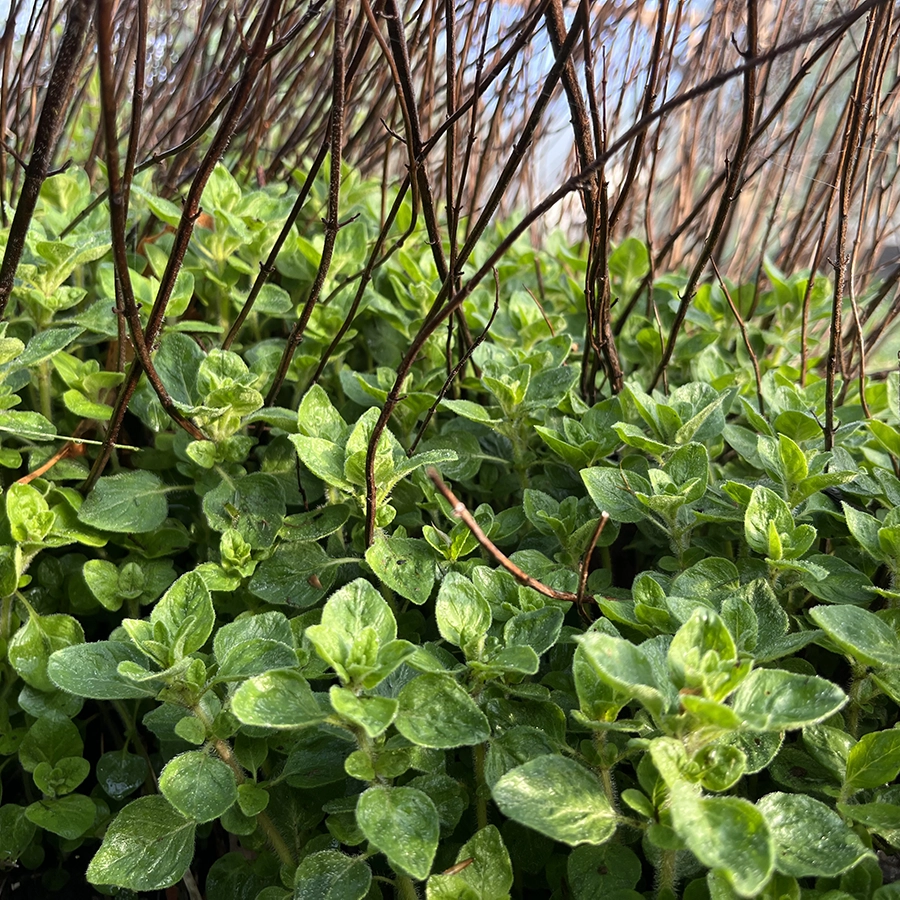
x: 728, y: 834
x: 810, y: 839
x: 279, y: 699
x: 133, y: 502
x: 147, y: 847
x: 403, y: 824
x: 875, y: 760
x: 775, y: 700
x: 557, y: 797
x: 92, y: 670
x: 859, y: 633
x: 200, y: 786
x: 330, y: 875
x: 436, y: 712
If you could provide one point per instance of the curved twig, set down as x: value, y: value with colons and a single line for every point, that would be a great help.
x: 461, y: 513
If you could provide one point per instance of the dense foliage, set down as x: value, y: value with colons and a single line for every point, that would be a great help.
x: 207, y: 665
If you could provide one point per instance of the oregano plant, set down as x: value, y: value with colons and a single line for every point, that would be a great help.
x: 353, y: 547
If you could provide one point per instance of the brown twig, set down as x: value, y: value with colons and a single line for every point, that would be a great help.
x: 451, y: 377
x: 459, y: 510
x: 879, y: 22
x: 440, y: 310
x: 586, y: 562
x: 332, y: 223
x: 117, y: 215
x: 189, y: 216
x: 268, y: 267
x: 737, y: 316
x: 46, y: 137
x: 70, y: 448
x: 734, y: 175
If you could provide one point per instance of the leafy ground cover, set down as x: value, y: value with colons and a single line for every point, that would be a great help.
x: 648, y: 647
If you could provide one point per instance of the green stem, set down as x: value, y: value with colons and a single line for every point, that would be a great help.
x: 855, y: 692
x: 6, y: 618
x: 666, y: 872
x: 481, y: 813
x: 226, y: 754
x: 609, y: 787
x: 406, y: 890
x: 606, y: 561
x: 133, y: 736
x: 46, y: 390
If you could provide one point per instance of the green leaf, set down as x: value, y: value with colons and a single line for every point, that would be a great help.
x: 810, y: 839
x: 16, y: 832
x: 436, y: 712
x: 92, y: 670
x: 330, y: 875
x: 865, y: 529
x: 625, y: 668
x: 405, y: 565
x: 859, y: 633
x: 775, y: 700
x: 635, y: 437
x: 557, y: 797
x: 46, y: 344
x: 537, y: 628
x: 120, y: 773
x: 186, y: 611
x: 31, y: 646
x: 27, y: 425
x: 463, y: 615
x: 703, y: 655
x: 133, y: 502
x: 843, y: 584
x: 252, y: 645
x: 875, y: 760
x: 62, y: 778
x: 880, y: 817
x: 102, y: 577
x: 887, y: 436
x: 356, y: 620
x: 508, y: 660
x: 373, y: 714
x: 279, y: 699
x: 707, y: 423
x: 688, y: 467
x: 513, y: 747
x: 766, y: 510
x: 200, y: 786
x: 317, y: 417
x: 728, y: 834
x: 594, y: 872
x: 317, y: 757
x: 29, y: 515
x: 830, y: 747
x: 324, y: 459
x: 296, y: 574
x: 448, y: 795
x: 315, y: 524
x: 475, y: 412
x: 613, y: 491
x: 489, y: 874
x: 598, y: 699
x: 721, y: 765
x: 403, y: 824
x: 252, y: 799
x: 147, y: 847
x: 70, y: 817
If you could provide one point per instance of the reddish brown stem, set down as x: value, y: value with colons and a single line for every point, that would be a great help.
x: 48, y: 130
x: 459, y: 510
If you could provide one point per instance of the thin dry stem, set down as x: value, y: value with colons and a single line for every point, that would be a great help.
x: 459, y: 510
